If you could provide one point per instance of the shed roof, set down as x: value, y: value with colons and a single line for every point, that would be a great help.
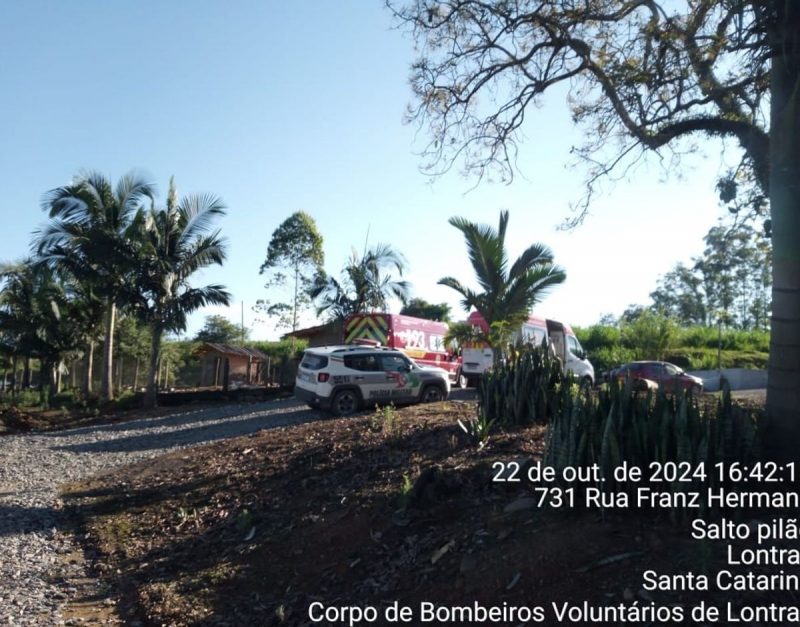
x: 227, y: 349
x: 312, y: 331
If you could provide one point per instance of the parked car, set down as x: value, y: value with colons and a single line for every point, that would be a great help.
x: 343, y: 379
x: 666, y: 376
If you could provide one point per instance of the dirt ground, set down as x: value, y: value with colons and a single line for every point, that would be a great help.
x: 386, y: 507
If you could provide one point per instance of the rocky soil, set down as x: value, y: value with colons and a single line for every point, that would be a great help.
x: 39, y: 571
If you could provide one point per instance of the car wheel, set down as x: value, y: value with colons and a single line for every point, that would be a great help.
x: 461, y: 381
x: 345, y: 403
x: 432, y: 394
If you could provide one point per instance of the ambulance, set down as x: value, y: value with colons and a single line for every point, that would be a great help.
x: 479, y: 357
x: 420, y: 339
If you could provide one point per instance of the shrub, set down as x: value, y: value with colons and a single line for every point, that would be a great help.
x: 477, y: 429
x: 598, y: 337
x: 706, y: 359
x: 619, y: 426
x: 522, y: 389
x: 732, y: 339
x: 604, y: 359
x: 650, y: 335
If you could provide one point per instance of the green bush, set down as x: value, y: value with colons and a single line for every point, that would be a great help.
x: 692, y: 348
x: 525, y: 388
x: 732, y: 339
x: 598, y: 336
x: 618, y: 425
x: 650, y: 335
x: 23, y: 398
x: 282, y: 348
x: 604, y: 359
x: 706, y: 359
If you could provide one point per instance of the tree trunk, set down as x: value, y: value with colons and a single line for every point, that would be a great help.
x: 783, y: 388
x: 107, y: 384
x: 151, y: 394
x: 136, y: 376
x: 14, y: 376
x: 120, y: 364
x: 87, y: 382
x: 26, y: 373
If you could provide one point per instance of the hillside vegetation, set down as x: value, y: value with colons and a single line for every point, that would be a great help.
x: 692, y: 348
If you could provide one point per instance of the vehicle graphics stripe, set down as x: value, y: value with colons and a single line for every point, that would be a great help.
x: 367, y: 327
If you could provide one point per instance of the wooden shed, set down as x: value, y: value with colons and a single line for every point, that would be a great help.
x: 244, y: 366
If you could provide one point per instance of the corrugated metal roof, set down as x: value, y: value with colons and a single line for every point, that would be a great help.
x: 227, y: 349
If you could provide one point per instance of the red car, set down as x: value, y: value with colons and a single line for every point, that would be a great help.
x: 667, y: 376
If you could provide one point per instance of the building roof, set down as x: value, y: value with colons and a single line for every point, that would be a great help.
x: 231, y: 351
x: 312, y: 331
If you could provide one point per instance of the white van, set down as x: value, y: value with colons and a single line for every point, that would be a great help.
x: 478, y: 359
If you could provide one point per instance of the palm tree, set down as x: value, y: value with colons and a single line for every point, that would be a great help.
x: 507, y: 293
x: 17, y: 326
x: 92, y: 236
x: 39, y: 318
x: 176, y: 244
x: 367, y: 284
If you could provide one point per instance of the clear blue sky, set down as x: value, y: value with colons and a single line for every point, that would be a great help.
x: 280, y: 106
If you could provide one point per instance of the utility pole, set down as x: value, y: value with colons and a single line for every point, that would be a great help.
x: 242, y: 323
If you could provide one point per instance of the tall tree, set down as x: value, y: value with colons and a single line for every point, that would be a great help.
x: 41, y: 317
x: 642, y: 76
x: 220, y: 330
x: 507, y: 292
x: 295, y: 247
x: 367, y: 283
x: 421, y: 308
x: 92, y: 236
x: 680, y: 294
x: 177, y: 242
x: 731, y: 277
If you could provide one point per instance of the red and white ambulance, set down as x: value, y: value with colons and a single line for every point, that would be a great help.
x: 479, y: 357
x: 420, y: 339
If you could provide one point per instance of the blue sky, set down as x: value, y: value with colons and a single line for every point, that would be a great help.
x: 280, y: 106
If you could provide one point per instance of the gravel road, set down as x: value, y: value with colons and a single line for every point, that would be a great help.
x: 34, y: 533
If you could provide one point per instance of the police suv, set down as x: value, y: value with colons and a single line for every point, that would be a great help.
x: 343, y: 379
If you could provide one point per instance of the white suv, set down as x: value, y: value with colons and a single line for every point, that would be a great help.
x: 342, y: 379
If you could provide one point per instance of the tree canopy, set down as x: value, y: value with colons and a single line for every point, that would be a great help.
x: 92, y: 237
x: 421, y: 308
x: 729, y: 282
x: 296, y: 248
x: 368, y: 282
x: 218, y: 329
x: 176, y: 242
x: 508, y: 291
x: 641, y: 76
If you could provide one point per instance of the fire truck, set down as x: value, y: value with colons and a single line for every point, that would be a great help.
x: 420, y: 339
